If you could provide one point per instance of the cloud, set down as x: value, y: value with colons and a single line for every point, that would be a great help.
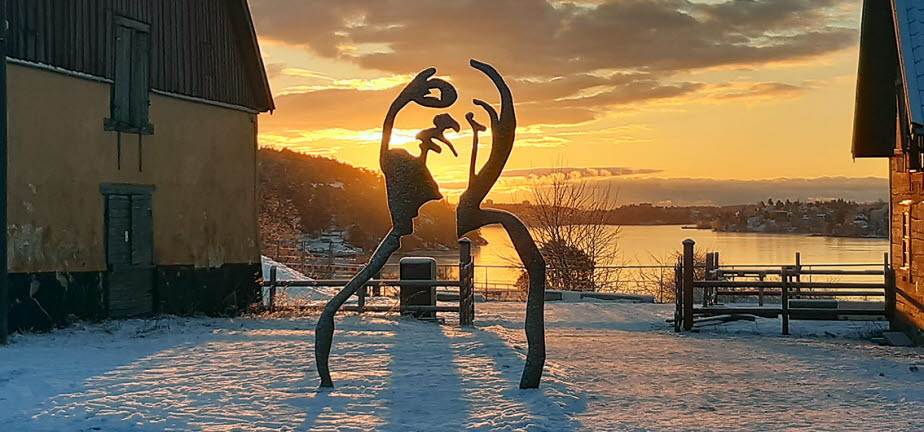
x: 542, y: 38
x: 762, y: 90
x: 566, y: 62
x: 274, y: 70
x: 578, y: 172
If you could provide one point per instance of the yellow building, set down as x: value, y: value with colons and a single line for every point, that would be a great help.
x: 132, y: 154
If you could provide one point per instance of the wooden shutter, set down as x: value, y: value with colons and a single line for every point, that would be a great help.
x: 140, y: 82
x: 122, y: 78
x: 142, y: 231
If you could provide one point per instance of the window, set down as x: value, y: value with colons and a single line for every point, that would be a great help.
x: 906, y: 239
x: 131, y: 78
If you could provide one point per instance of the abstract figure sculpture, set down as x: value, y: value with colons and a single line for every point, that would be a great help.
x: 409, y: 185
x: 470, y: 216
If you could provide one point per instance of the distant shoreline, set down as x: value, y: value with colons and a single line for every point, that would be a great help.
x: 693, y: 227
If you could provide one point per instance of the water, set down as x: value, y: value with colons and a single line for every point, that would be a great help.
x: 647, y: 245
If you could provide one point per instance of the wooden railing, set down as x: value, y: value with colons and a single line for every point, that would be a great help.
x: 798, y: 297
x: 465, y: 284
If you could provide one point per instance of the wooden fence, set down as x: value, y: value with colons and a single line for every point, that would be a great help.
x: 465, y: 285
x: 798, y: 298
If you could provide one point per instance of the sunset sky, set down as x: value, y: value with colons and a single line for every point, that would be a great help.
x: 655, y: 95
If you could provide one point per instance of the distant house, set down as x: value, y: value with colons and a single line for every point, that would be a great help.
x: 889, y: 122
x: 132, y: 148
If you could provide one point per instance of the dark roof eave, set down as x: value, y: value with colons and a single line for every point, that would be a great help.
x: 875, y: 113
x: 255, y: 67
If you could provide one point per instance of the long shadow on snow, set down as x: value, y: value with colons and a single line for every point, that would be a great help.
x: 553, y: 406
x: 422, y: 370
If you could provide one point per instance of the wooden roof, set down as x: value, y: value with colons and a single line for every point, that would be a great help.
x: 204, y: 49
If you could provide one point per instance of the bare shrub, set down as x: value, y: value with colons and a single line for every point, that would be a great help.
x: 569, y: 219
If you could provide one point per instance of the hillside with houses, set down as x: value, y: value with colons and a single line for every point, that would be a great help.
x: 835, y: 218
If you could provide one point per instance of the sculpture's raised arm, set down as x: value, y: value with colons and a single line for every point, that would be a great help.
x: 503, y: 133
x: 470, y: 216
x: 418, y: 90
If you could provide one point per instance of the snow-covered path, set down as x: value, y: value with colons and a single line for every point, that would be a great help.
x: 610, y: 367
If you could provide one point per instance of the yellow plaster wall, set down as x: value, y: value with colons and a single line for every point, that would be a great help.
x: 201, y: 160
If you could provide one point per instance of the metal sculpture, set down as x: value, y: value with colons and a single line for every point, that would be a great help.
x: 409, y: 185
x: 470, y: 216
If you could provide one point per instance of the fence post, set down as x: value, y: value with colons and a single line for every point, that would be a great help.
x: 798, y: 275
x: 377, y: 288
x: 678, y: 293
x: 688, y: 263
x: 760, y: 290
x: 272, y: 290
x: 361, y: 297
x: 890, y: 290
x: 785, y: 298
x: 660, y: 285
x: 466, y: 283
x: 715, y: 267
x: 710, y: 266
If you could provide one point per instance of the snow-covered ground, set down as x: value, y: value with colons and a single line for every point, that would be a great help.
x: 611, y: 366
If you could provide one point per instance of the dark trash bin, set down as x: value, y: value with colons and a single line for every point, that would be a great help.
x: 418, y: 268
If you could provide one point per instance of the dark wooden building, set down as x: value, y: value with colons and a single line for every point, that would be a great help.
x: 889, y: 123
x: 132, y: 148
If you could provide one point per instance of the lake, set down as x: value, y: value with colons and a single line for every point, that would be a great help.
x: 645, y: 245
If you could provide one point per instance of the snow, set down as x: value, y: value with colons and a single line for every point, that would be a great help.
x: 283, y: 273
x: 611, y: 366
x: 294, y: 294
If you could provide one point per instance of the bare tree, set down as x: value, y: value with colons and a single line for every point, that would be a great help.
x: 570, y: 219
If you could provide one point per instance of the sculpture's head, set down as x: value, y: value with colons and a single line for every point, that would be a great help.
x: 477, y: 127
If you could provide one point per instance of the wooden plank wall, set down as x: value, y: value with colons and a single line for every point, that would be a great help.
x: 197, y: 48
x: 907, y: 194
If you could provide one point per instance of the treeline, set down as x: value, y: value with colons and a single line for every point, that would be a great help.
x: 838, y: 218
x: 308, y: 194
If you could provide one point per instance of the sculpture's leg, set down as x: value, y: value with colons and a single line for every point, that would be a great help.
x: 324, y: 330
x: 535, y: 303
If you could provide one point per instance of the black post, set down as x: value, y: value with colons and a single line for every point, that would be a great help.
x: 271, y: 304
x: 4, y: 288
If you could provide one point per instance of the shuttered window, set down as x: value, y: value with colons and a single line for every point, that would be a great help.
x: 131, y: 82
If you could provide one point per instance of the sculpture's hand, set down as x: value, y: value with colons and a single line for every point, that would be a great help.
x: 419, y: 89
